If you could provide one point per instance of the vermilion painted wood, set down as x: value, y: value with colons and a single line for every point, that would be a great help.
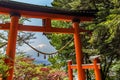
x: 40, y: 29
x: 47, y: 23
x: 47, y: 29
x: 96, y: 70
x: 30, y: 14
x: 95, y: 66
x: 70, y: 71
x: 86, y: 66
x: 78, y: 50
x: 5, y: 26
x: 11, y: 47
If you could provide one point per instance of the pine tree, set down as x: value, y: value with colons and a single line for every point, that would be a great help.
x: 105, y: 39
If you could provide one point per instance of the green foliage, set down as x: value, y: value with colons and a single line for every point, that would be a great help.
x: 58, y: 41
x: 25, y: 69
x: 3, y: 67
x: 4, y: 19
x: 105, y: 38
x: 74, y: 4
x: 116, y: 67
x: 115, y: 70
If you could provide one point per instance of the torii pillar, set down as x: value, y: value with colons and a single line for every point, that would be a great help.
x: 11, y: 47
x: 78, y: 49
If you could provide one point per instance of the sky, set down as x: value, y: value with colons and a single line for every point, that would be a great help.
x: 37, y: 2
x: 41, y: 43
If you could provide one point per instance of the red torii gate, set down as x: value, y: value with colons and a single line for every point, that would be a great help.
x: 17, y: 9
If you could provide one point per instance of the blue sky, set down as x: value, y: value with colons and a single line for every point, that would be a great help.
x: 37, y: 2
x: 41, y: 43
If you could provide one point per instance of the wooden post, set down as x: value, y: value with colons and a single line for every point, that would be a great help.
x: 11, y: 47
x: 96, y: 70
x: 78, y: 49
x: 47, y: 23
x: 0, y: 76
x: 70, y: 71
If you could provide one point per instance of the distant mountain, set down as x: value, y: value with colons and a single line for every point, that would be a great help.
x: 41, y: 59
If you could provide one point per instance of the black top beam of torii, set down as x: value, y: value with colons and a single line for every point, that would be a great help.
x: 37, y: 11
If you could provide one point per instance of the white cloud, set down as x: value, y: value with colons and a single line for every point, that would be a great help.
x: 26, y: 49
x: 42, y: 45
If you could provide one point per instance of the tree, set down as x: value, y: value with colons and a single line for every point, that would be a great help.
x: 105, y: 36
x: 3, y: 67
x: 26, y: 36
x: 59, y: 40
x: 25, y: 69
x: 106, y: 39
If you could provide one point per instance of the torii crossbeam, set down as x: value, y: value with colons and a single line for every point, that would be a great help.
x: 17, y: 10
